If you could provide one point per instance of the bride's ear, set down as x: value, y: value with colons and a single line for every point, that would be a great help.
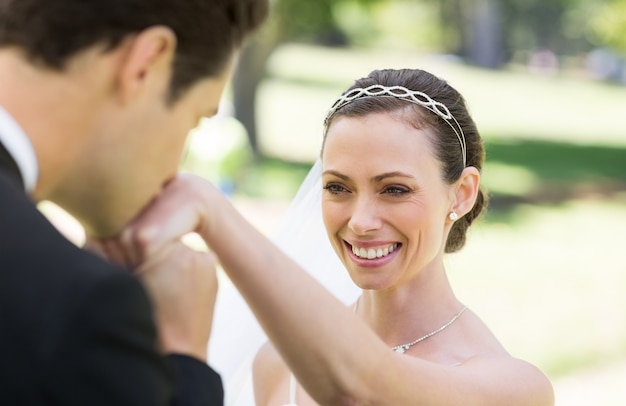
x: 466, y: 191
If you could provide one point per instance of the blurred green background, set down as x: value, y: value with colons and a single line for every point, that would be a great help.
x: 546, y: 83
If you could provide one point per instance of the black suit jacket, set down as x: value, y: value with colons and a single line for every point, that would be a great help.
x: 75, y: 330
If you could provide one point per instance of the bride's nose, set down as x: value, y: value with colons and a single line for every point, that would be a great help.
x: 364, y: 217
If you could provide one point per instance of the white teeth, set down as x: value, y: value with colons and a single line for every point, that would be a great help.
x: 372, y: 253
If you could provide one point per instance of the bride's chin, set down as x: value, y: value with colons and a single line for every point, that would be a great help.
x: 368, y: 283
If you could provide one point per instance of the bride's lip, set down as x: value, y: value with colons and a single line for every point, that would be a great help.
x: 374, y: 262
x: 370, y: 244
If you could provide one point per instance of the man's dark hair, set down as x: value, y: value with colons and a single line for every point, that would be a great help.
x: 50, y: 32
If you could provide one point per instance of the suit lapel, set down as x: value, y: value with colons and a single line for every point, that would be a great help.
x: 8, y: 164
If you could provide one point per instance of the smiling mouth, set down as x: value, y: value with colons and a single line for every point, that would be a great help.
x: 373, y: 253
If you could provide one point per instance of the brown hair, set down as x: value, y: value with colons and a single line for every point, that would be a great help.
x: 445, y: 141
x: 50, y: 32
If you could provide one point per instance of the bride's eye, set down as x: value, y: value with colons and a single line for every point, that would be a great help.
x: 396, y: 190
x: 335, y: 188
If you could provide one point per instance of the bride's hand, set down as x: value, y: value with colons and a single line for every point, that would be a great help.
x: 187, y: 204
x: 181, y: 282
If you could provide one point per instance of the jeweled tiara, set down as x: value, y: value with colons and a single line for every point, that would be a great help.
x: 402, y: 93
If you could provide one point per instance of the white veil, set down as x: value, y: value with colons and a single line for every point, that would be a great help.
x: 236, y: 334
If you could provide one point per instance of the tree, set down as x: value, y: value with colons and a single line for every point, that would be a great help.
x: 488, y: 32
x: 310, y: 21
x: 608, y: 24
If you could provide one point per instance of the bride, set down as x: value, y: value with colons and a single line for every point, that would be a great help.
x: 398, y: 183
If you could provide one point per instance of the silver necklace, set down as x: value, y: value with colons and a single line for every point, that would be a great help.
x: 404, y: 347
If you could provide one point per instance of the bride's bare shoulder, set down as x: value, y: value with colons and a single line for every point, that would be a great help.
x: 511, y: 380
x: 484, y: 369
x: 490, y: 371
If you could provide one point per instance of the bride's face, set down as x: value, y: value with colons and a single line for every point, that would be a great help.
x: 385, y: 204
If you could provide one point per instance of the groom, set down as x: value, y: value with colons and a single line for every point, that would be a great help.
x: 96, y: 99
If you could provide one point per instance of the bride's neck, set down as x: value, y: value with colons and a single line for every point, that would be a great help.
x: 417, y: 307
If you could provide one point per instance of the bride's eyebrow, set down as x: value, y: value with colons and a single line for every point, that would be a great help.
x: 395, y: 174
x: 335, y: 173
x: 375, y: 179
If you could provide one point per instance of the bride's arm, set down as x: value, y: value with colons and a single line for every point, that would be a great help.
x: 334, y: 355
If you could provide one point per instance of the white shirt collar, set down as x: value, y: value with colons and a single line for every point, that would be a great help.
x: 19, y: 146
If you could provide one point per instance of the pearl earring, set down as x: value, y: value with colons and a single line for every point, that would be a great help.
x: 453, y: 216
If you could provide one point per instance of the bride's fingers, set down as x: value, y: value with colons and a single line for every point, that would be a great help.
x: 116, y: 253
x: 177, y: 211
x: 95, y: 247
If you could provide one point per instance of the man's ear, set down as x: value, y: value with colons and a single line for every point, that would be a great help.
x: 148, y: 62
x: 466, y: 191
